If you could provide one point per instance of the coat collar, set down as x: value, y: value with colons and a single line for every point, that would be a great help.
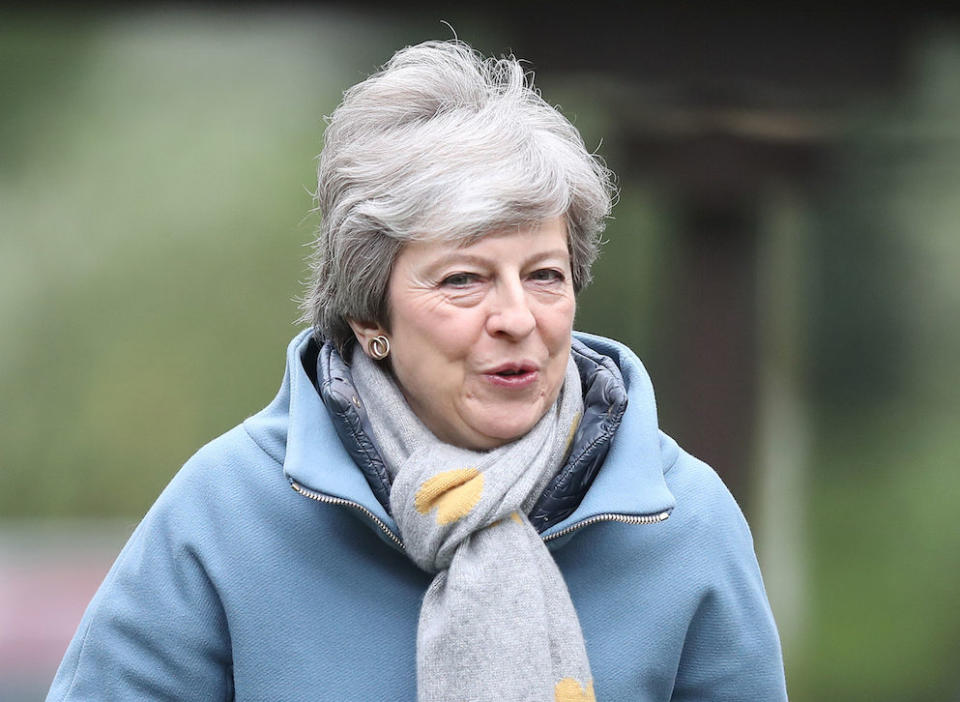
x: 631, y: 481
x: 297, y: 431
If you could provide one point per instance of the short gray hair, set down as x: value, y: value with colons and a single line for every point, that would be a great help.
x: 443, y: 144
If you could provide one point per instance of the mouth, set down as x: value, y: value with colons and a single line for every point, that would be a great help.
x: 513, y: 368
x: 512, y: 375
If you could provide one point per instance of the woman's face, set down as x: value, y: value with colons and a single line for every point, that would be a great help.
x: 480, y: 334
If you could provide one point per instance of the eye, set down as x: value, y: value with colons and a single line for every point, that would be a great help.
x: 459, y: 280
x: 548, y: 275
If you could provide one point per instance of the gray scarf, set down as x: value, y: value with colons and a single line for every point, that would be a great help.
x: 496, y: 623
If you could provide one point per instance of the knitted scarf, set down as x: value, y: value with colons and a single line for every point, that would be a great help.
x: 496, y: 624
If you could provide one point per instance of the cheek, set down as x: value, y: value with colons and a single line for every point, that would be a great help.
x: 559, y: 321
x: 431, y: 348
x: 449, y: 333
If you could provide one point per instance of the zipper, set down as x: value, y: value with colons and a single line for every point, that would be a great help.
x: 606, y: 517
x: 610, y: 517
x: 339, y: 501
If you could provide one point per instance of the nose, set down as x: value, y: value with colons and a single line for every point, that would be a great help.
x: 510, y: 313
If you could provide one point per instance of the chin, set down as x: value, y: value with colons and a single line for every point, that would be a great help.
x: 488, y: 427
x: 500, y: 433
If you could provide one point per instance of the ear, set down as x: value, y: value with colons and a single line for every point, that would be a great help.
x: 365, y: 331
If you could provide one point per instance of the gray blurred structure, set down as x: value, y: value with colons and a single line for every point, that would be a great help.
x: 723, y: 106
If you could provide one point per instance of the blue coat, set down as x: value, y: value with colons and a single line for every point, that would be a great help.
x: 235, y: 586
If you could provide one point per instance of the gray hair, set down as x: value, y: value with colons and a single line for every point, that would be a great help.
x: 441, y: 144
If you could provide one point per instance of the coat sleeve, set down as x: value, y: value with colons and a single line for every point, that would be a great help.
x: 156, y: 629
x: 731, y: 651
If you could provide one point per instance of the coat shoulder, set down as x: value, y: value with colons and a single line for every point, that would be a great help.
x: 706, y: 512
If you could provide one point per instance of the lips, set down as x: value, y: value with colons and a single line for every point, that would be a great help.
x: 513, y: 375
x: 509, y: 369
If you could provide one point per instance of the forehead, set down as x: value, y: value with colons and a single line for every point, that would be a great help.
x: 549, y: 224
x: 548, y: 236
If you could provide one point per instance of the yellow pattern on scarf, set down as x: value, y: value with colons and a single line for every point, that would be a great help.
x: 453, y: 493
x: 569, y: 690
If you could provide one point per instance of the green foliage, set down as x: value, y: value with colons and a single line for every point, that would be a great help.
x: 623, y: 300
x: 153, y: 231
x: 885, y: 553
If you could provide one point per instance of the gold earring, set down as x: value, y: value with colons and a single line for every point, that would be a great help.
x: 379, y: 347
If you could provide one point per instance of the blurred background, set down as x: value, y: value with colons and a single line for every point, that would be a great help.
x: 783, y: 256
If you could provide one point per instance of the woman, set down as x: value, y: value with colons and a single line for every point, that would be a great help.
x: 483, y: 507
